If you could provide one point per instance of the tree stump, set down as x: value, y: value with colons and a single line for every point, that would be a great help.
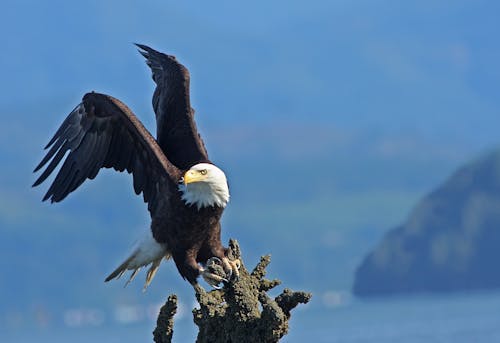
x: 241, y: 311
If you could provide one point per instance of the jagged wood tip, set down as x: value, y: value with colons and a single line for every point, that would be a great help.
x: 165, y: 322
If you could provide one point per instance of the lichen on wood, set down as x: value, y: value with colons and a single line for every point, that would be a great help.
x: 241, y: 311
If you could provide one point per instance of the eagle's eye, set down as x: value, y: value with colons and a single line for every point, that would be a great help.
x: 203, y: 172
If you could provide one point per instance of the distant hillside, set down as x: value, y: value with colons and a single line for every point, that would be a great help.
x: 449, y: 242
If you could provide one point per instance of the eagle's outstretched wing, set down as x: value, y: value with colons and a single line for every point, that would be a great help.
x: 102, y: 132
x: 177, y: 134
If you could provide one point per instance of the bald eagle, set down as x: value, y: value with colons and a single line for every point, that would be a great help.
x: 185, y: 192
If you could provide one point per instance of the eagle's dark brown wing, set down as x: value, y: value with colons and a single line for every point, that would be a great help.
x: 103, y: 132
x: 177, y: 134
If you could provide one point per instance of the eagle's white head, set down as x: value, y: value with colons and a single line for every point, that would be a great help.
x: 204, y: 185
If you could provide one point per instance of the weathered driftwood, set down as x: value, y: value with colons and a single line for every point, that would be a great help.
x: 240, y: 312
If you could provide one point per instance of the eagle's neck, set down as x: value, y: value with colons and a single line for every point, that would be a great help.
x: 205, y: 194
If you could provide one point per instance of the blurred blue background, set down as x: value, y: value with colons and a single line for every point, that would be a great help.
x: 330, y: 118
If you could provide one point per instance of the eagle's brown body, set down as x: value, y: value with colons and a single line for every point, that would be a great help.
x: 192, y: 234
x: 103, y: 133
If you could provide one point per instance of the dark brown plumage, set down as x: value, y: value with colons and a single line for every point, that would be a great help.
x: 102, y: 132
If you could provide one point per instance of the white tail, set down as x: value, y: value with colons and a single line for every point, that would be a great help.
x: 146, y: 251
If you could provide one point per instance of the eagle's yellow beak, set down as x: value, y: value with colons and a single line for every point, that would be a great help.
x: 194, y: 176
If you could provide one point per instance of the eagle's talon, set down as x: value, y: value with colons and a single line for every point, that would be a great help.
x: 232, y: 268
x: 214, y: 272
x: 214, y: 261
x: 213, y: 279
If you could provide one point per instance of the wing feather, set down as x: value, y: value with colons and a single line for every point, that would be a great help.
x: 55, y: 161
x: 102, y: 132
x: 51, y: 153
x: 177, y: 134
x: 64, y: 126
x: 66, y: 177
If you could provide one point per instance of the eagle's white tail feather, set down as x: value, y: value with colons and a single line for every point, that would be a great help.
x: 152, y: 272
x: 146, y: 251
x: 132, y: 276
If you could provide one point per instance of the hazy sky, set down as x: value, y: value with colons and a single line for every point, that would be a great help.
x: 424, y: 67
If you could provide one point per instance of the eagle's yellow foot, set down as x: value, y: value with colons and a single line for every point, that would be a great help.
x: 212, y: 279
x: 218, y: 271
x: 214, y: 273
x: 232, y: 268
